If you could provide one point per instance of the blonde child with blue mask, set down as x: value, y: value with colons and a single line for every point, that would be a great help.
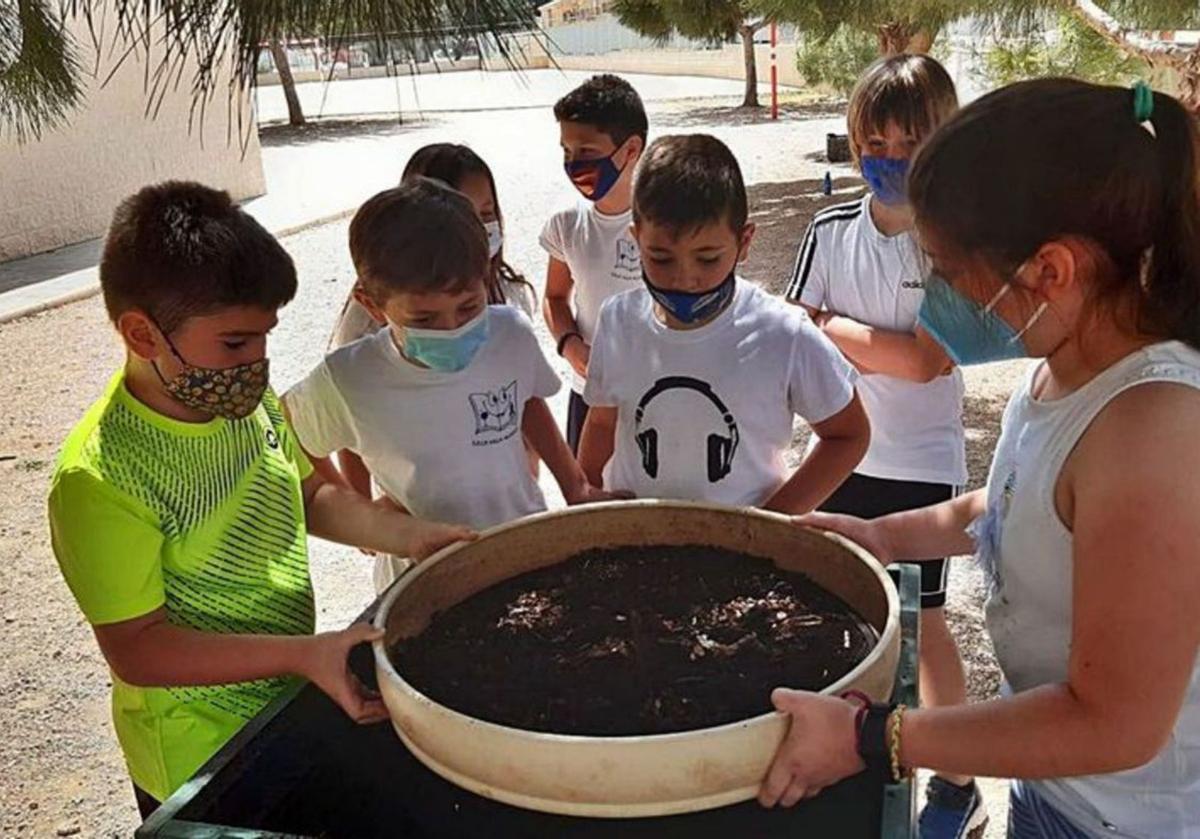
x: 437, y: 403
x: 861, y: 275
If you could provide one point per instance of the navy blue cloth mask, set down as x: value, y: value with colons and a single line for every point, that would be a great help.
x: 692, y: 306
x: 887, y: 177
x: 606, y: 172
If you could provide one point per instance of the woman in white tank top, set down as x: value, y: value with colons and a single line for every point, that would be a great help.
x: 1064, y: 218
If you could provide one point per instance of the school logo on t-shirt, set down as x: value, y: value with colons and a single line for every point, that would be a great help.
x: 496, y: 415
x: 719, y: 446
x: 629, y: 261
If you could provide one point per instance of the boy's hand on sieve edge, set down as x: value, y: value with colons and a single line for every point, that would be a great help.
x: 589, y: 494
x: 429, y: 537
x: 327, y: 666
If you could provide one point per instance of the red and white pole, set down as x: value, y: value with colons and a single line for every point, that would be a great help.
x: 774, y: 75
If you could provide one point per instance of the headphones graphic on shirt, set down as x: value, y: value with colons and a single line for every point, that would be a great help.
x: 720, y: 448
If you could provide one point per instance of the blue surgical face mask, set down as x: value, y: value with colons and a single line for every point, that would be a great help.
x: 887, y: 177
x: 445, y: 350
x: 692, y: 306
x: 607, y: 174
x: 971, y: 333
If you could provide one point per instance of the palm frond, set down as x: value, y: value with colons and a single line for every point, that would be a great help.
x: 39, y: 70
x: 199, y: 43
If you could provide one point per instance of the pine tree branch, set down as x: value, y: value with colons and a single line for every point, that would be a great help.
x: 1125, y: 38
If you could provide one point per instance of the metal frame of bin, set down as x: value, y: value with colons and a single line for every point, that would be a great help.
x: 231, y: 774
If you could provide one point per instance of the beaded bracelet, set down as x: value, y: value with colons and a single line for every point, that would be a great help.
x: 899, y: 772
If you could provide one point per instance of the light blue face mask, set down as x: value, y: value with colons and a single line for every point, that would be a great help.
x: 445, y: 350
x: 968, y: 332
x: 887, y: 177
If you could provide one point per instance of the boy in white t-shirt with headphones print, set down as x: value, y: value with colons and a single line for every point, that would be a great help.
x: 695, y: 377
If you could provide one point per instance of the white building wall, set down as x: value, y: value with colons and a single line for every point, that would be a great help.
x: 62, y: 188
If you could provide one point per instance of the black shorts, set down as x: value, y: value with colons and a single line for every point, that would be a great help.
x: 868, y: 498
x: 146, y: 803
x: 577, y: 411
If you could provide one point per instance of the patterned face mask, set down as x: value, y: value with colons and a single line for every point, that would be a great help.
x: 232, y: 392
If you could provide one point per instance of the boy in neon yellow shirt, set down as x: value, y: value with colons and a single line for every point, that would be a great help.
x: 181, y: 502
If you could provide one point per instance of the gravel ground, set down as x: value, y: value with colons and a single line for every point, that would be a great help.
x: 63, y: 771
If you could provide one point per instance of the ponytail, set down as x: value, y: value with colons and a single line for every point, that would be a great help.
x: 1170, y: 280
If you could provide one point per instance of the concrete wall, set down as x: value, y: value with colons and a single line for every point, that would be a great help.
x: 604, y: 45
x: 340, y: 73
x: 63, y: 188
x: 723, y: 63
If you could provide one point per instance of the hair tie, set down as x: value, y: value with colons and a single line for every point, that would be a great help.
x: 1143, y: 101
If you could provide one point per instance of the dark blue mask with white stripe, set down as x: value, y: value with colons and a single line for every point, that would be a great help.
x: 693, y: 306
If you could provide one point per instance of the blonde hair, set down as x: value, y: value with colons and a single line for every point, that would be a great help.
x: 914, y: 91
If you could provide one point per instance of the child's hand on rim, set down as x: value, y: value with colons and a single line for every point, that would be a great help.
x: 819, y: 749
x: 327, y: 666
x: 429, y: 537
x: 588, y: 494
x: 864, y: 532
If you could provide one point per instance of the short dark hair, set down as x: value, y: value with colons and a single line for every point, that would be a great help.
x: 420, y: 236
x: 180, y: 249
x: 685, y: 181
x: 914, y: 91
x: 609, y: 104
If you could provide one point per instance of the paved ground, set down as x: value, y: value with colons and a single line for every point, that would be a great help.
x: 61, y: 766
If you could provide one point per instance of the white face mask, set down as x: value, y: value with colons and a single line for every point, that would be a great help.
x: 495, y: 238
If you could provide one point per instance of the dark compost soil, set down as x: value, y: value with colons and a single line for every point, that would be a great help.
x: 634, y: 641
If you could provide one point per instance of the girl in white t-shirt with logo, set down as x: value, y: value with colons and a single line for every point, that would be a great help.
x: 861, y: 276
x: 438, y: 402
x: 462, y: 169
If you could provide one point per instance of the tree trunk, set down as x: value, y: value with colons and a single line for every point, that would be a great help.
x: 921, y: 41
x: 279, y: 56
x: 893, y: 38
x: 751, y: 98
x: 1189, y: 81
x: 898, y: 37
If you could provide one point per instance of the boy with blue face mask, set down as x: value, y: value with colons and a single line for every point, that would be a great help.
x: 696, y: 377
x: 602, y: 127
x: 862, y: 277
x: 436, y: 403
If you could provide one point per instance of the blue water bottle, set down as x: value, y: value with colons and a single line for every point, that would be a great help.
x: 828, y: 188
